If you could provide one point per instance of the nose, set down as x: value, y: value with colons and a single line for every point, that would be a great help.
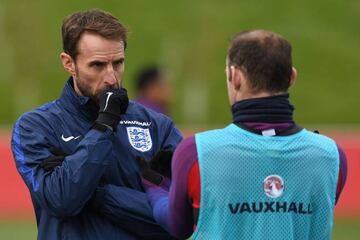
x: 111, y: 81
x: 111, y: 77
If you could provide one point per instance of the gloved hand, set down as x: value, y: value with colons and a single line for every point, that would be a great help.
x: 157, y: 168
x: 161, y: 162
x: 113, y: 103
x: 52, y: 162
x: 147, y: 173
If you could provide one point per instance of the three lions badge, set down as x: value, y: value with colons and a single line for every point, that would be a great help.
x: 139, y: 138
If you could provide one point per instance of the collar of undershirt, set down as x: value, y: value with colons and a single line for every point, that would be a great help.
x: 273, y: 109
x: 258, y: 114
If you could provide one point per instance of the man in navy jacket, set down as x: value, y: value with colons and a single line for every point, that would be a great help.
x: 94, y: 190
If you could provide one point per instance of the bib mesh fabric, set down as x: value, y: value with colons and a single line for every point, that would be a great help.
x: 233, y: 166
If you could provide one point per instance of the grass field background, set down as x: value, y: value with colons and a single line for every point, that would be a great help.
x: 345, y: 229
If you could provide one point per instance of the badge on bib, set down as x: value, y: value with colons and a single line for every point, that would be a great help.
x: 273, y: 186
x: 139, y: 138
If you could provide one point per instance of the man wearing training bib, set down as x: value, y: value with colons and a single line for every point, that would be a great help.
x: 262, y: 176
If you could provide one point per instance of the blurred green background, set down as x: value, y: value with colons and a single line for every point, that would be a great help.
x: 189, y: 39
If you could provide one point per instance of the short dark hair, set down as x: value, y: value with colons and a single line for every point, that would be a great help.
x: 148, y: 76
x: 96, y: 21
x: 265, y: 58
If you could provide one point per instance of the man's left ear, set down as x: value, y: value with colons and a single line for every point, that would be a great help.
x: 293, y: 76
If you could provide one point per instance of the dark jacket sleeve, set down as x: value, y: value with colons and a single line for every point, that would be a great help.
x: 169, y: 135
x: 64, y: 191
x: 130, y: 208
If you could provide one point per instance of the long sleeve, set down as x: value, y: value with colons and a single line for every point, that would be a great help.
x: 173, y: 210
x: 130, y: 209
x: 342, y: 173
x: 64, y: 191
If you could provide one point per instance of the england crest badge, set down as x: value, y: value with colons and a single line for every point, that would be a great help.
x: 139, y: 138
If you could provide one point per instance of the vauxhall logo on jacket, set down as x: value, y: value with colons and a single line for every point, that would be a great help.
x: 273, y: 188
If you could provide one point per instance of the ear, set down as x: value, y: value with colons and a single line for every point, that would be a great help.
x: 68, y: 63
x: 235, y: 77
x: 293, y: 76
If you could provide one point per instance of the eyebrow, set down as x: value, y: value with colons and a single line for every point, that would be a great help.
x: 104, y: 62
x: 96, y: 62
x: 121, y: 59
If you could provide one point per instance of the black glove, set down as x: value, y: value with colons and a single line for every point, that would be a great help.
x: 52, y: 162
x: 157, y: 167
x: 113, y: 103
x: 147, y: 173
x: 161, y: 163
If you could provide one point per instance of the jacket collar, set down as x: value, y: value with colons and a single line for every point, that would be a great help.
x: 76, y: 104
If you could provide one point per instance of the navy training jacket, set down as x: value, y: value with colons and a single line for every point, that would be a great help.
x: 96, y: 193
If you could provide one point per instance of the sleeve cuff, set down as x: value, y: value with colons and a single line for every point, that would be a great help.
x: 102, y: 127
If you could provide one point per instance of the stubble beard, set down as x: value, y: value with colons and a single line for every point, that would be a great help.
x: 85, y: 90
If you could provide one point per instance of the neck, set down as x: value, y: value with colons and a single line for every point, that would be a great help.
x: 76, y: 88
x: 240, y: 96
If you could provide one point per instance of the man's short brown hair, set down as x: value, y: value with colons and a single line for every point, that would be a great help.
x: 265, y: 58
x: 96, y: 21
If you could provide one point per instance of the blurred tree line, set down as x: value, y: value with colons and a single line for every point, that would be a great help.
x: 189, y: 39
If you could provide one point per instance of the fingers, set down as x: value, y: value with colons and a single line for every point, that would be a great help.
x: 152, y: 176
x: 161, y: 162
